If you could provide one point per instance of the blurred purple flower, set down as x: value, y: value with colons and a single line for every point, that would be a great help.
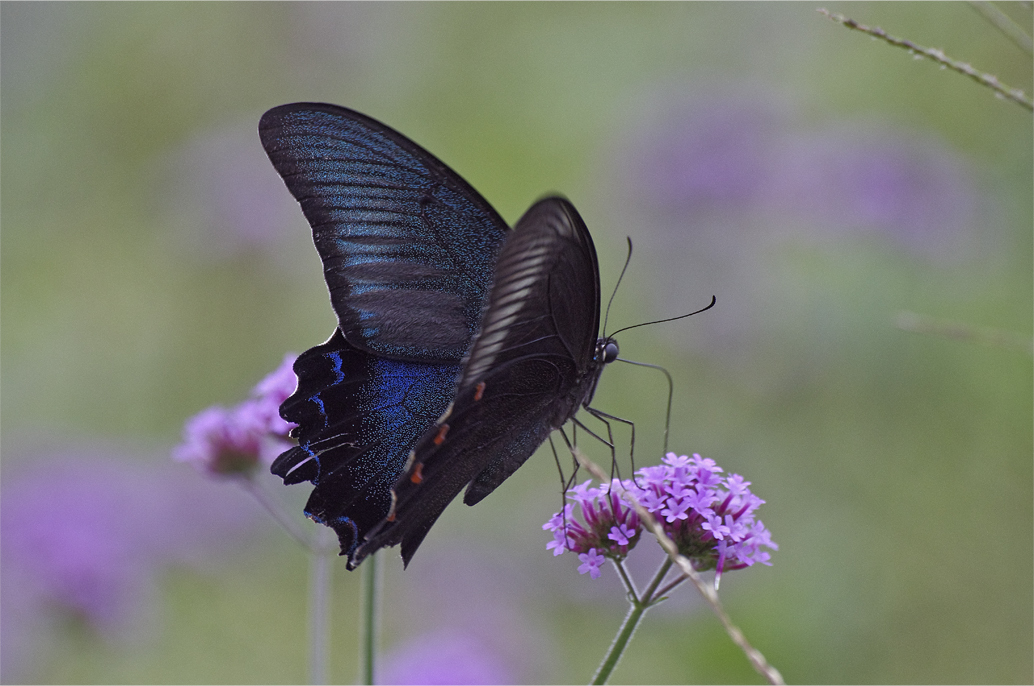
x: 743, y: 155
x: 504, y: 636
x: 278, y: 385
x: 447, y: 656
x: 88, y: 533
x: 234, y: 442
x: 711, y: 157
x: 225, y: 195
x: 909, y: 188
x: 710, y: 518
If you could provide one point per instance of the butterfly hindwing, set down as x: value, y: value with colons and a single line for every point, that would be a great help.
x: 529, y: 370
x: 357, y: 416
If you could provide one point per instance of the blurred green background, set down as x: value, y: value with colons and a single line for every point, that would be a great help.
x: 817, y: 182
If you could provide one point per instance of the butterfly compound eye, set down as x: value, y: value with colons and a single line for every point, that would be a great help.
x: 610, y: 351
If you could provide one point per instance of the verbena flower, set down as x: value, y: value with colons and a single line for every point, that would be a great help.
x: 709, y: 516
x: 234, y: 441
x: 227, y: 203
x: 610, y: 530
x: 446, y: 656
x: 591, y: 563
x: 729, y: 154
x: 87, y: 531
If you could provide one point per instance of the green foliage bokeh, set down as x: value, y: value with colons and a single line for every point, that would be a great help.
x: 897, y: 467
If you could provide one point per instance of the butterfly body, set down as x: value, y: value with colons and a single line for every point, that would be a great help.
x: 460, y: 344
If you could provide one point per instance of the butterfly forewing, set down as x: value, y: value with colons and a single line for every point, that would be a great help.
x: 407, y: 245
x: 540, y: 303
x: 527, y: 373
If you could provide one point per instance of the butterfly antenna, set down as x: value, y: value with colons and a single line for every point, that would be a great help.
x: 671, y: 390
x: 671, y: 383
x: 628, y: 259
x: 669, y: 319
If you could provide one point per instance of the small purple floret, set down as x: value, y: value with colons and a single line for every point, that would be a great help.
x: 621, y: 534
x: 591, y: 563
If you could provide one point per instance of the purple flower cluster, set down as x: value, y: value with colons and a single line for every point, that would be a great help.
x: 611, y: 526
x: 234, y: 441
x: 710, y: 517
x: 87, y: 531
x: 727, y: 154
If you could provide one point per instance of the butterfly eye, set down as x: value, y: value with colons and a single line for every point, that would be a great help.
x: 610, y: 351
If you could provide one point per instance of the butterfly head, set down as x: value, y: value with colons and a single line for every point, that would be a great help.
x: 606, y: 351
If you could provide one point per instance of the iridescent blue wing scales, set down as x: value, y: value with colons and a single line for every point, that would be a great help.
x: 357, y: 416
x: 408, y: 251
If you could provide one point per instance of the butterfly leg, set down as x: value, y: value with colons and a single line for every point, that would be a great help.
x: 604, y: 417
x: 574, y: 473
x: 601, y: 439
x: 565, y: 483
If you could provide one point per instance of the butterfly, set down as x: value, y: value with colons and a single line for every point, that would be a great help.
x: 460, y: 344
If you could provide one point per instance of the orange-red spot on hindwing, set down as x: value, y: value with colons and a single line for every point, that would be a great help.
x: 440, y: 438
x: 418, y: 474
x: 479, y: 391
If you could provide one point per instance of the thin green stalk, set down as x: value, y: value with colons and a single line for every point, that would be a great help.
x: 639, y: 606
x: 627, y: 581
x: 921, y: 323
x: 671, y: 586
x: 321, y: 547
x: 1004, y: 23
x: 275, y: 508
x: 319, y: 605
x: 938, y: 56
x: 370, y: 591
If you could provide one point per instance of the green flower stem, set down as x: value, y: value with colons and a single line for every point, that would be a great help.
x: 321, y: 546
x: 319, y: 605
x: 369, y: 590
x: 627, y: 581
x: 639, y: 606
x: 671, y: 586
x: 274, y: 507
